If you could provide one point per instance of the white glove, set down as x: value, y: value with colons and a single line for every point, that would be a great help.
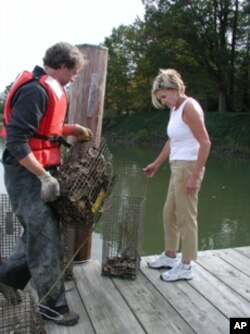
x: 50, y: 188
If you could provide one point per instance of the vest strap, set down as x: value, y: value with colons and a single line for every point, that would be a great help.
x: 53, y: 139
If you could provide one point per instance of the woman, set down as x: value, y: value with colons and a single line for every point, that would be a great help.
x: 187, y: 148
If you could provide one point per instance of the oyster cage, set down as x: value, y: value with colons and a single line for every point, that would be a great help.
x: 129, y: 181
x: 122, y: 237
x: 123, y: 224
x: 86, y: 177
x: 19, y: 314
x: 10, y: 229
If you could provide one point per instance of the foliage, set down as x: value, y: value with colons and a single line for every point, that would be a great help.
x: 206, y: 40
x: 228, y: 131
x: 127, y: 78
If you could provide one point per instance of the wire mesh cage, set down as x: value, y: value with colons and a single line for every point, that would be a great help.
x: 129, y: 181
x: 86, y: 177
x: 10, y: 229
x: 122, y: 237
x: 19, y: 314
x: 123, y: 224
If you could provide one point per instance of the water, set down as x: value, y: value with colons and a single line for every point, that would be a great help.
x: 224, y: 210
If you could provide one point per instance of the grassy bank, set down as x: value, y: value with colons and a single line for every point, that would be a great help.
x: 229, y: 132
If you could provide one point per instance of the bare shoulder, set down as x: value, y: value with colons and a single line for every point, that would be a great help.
x: 193, y: 109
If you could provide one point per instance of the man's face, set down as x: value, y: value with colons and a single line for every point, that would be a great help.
x: 66, y: 75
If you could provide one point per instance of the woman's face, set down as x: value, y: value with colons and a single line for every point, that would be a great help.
x: 167, y: 97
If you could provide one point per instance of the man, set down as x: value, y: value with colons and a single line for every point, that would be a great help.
x: 34, y: 116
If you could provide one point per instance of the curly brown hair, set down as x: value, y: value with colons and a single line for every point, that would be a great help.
x: 64, y: 53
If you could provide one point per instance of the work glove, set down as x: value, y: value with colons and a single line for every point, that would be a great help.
x: 50, y: 188
x: 80, y: 132
x: 84, y: 134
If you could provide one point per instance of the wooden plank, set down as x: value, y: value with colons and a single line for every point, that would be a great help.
x: 75, y: 304
x: 107, y: 309
x: 230, y: 303
x: 235, y: 259
x: 201, y: 315
x: 244, y: 250
x: 218, y: 291
x: 153, y: 311
x: 225, y: 272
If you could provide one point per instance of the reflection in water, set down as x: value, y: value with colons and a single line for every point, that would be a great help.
x: 224, y: 212
x: 225, y: 235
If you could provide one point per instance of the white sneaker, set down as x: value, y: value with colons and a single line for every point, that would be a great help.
x: 181, y: 272
x: 163, y: 261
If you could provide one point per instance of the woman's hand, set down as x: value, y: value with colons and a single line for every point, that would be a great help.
x: 192, y: 185
x: 150, y: 170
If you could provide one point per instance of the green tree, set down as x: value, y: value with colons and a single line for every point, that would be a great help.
x: 167, y: 48
x: 128, y: 77
x: 207, y: 41
x: 209, y: 33
x: 242, y: 70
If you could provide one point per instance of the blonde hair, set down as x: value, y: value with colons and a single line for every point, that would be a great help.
x: 166, y: 79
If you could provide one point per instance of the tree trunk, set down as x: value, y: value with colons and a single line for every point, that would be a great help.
x: 222, y: 102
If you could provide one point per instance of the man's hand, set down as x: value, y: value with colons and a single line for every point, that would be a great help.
x: 84, y: 134
x: 80, y: 132
x: 50, y: 188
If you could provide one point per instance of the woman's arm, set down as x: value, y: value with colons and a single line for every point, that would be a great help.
x: 152, y: 168
x: 193, y: 116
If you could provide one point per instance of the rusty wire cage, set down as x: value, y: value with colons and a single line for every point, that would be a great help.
x: 10, y: 229
x: 123, y: 224
x: 19, y: 314
x: 86, y: 177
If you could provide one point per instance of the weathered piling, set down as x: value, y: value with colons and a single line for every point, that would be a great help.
x: 86, y: 108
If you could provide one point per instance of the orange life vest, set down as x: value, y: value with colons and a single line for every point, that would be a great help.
x: 46, y: 140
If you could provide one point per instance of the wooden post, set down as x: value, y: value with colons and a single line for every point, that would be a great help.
x: 86, y: 108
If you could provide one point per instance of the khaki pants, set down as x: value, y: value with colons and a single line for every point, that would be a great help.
x: 180, y: 212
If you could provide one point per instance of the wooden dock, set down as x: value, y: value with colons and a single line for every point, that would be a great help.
x: 220, y: 290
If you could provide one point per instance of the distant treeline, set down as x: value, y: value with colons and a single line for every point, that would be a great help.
x: 229, y: 132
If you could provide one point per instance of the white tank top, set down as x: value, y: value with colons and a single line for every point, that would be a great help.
x: 183, y: 144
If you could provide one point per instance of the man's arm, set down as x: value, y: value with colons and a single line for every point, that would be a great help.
x: 28, y: 106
